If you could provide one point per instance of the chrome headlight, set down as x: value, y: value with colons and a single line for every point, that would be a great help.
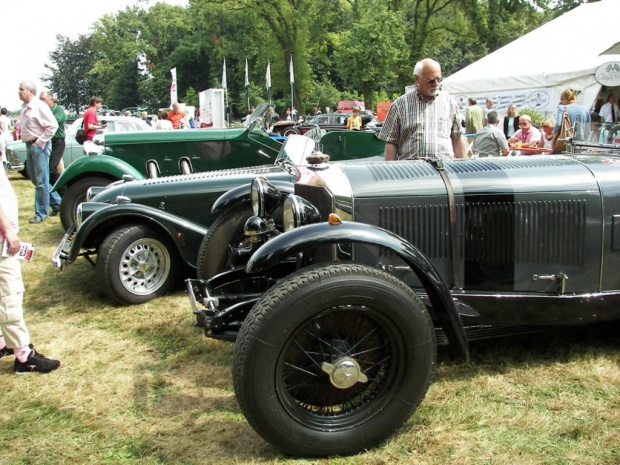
x: 93, y: 191
x: 265, y: 197
x: 297, y: 212
x: 79, y: 215
x: 86, y: 209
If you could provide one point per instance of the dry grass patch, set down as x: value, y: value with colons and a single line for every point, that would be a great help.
x: 140, y: 384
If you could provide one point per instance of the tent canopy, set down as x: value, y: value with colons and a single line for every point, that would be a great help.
x: 533, y: 70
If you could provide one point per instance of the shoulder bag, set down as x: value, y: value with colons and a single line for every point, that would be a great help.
x: 565, y: 132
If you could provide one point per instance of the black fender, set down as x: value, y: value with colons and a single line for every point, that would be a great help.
x: 185, y: 235
x: 243, y: 194
x: 306, y: 237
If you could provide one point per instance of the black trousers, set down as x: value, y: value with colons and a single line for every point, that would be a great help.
x: 58, y: 149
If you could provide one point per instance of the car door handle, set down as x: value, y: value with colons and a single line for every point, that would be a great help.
x: 553, y: 277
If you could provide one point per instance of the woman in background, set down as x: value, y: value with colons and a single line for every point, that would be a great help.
x: 511, y: 121
x: 546, y: 135
x: 578, y: 114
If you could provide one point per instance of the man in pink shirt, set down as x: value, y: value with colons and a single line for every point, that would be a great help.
x: 527, y: 135
x: 38, y: 126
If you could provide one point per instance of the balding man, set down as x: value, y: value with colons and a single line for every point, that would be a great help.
x: 58, y: 141
x: 424, y: 123
x: 527, y: 135
x: 38, y: 126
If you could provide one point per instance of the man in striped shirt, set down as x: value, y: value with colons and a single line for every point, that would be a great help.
x: 424, y: 123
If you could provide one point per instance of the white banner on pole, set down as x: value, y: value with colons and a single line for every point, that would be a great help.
x: 173, y: 86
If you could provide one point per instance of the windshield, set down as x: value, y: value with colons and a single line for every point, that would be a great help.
x: 295, y: 150
x: 257, y: 116
x: 597, y: 136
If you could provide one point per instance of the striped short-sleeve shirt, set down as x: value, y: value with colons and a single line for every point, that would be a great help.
x: 422, y: 129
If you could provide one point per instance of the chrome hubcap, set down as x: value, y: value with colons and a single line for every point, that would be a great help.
x: 144, y: 266
x: 344, y: 373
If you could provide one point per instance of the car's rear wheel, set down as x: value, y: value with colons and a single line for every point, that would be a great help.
x: 333, y: 359
x: 290, y: 131
x: 137, y: 263
x: 75, y: 195
x: 227, y: 229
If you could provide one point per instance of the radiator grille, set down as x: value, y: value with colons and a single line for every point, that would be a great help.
x: 425, y: 226
x: 536, y: 232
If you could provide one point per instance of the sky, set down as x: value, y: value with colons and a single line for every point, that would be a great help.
x: 29, y: 32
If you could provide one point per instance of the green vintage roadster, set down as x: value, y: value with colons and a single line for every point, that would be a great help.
x: 151, y: 154
x: 147, y: 234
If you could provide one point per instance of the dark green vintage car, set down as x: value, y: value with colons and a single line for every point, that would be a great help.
x: 151, y: 154
x: 336, y: 315
x: 147, y: 234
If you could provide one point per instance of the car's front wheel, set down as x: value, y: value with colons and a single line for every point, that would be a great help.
x: 333, y: 359
x: 75, y: 195
x: 227, y: 229
x: 137, y: 263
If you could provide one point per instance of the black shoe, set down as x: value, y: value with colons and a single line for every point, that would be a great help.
x: 36, y: 220
x: 36, y: 363
x: 5, y: 352
x: 55, y: 212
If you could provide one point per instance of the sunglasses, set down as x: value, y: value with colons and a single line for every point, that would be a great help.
x: 432, y: 81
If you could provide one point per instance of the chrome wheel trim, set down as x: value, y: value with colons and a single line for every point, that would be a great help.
x: 144, y: 266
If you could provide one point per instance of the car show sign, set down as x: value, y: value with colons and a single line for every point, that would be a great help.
x: 608, y: 74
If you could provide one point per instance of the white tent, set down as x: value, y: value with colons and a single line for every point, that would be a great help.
x: 533, y: 70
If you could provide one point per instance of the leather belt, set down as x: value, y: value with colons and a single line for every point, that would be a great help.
x: 31, y: 141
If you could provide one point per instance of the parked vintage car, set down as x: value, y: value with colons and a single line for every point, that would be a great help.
x: 16, y: 151
x: 338, y: 290
x: 147, y: 234
x: 162, y: 153
x: 327, y: 122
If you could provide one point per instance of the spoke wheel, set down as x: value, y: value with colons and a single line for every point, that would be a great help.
x: 333, y: 359
x: 357, y: 335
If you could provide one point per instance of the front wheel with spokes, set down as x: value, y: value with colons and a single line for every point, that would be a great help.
x: 333, y: 359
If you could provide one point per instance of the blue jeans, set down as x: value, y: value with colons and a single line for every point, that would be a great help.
x: 39, y: 172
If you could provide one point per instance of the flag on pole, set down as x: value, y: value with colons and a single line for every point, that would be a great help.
x: 247, y: 84
x: 224, y: 83
x: 173, y: 86
x: 290, y: 70
x: 268, y: 81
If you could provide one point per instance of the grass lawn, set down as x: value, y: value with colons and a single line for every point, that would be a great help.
x: 140, y: 384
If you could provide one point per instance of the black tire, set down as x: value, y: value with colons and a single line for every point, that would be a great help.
x: 317, y: 315
x: 75, y: 195
x: 225, y: 230
x: 24, y: 172
x: 137, y: 263
x: 289, y: 132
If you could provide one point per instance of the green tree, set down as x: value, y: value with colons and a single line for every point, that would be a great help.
x: 69, y: 74
x: 371, y: 51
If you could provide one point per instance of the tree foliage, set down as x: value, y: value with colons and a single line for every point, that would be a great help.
x: 363, y: 48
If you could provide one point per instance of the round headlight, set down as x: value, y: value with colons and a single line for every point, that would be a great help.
x: 265, y: 197
x: 255, y: 226
x: 297, y: 212
x: 78, y: 215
